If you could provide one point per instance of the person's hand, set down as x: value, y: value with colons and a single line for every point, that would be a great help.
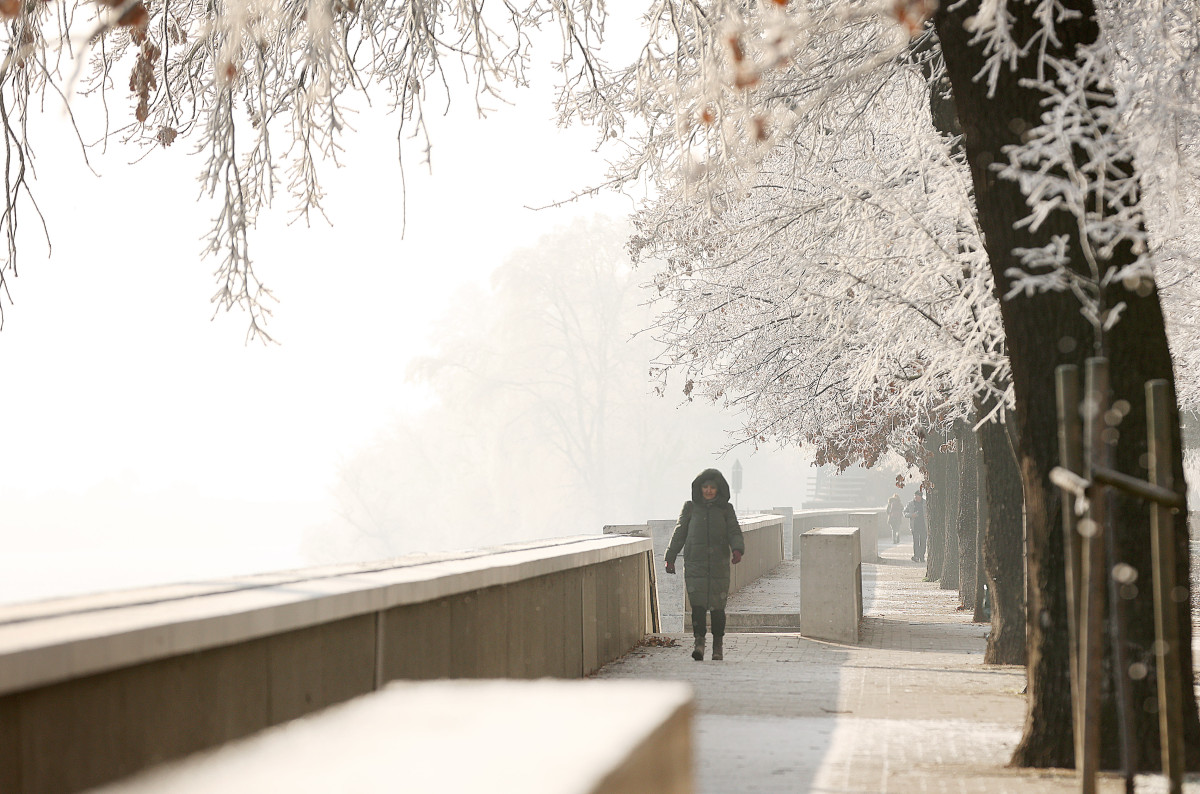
x: 737, y: 556
x: 670, y: 567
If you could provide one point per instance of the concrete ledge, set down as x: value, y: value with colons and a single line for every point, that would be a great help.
x: 95, y: 694
x: 542, y: 737
x: 831, y: 605
x: 39, y: 645
x: 869, y: 523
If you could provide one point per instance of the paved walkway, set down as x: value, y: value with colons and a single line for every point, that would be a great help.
x: 910, y: 709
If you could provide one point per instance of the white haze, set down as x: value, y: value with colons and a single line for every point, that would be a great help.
x: 543, y: 422
x: 145, y: 444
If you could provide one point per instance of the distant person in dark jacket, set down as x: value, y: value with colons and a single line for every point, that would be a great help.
x: 916, y: 522
x: 709, y: 536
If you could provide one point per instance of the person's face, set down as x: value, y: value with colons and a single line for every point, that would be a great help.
x: 708, y: 490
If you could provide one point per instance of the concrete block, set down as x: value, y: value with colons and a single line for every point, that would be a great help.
x: 831, y: 584
x: 535, y: 737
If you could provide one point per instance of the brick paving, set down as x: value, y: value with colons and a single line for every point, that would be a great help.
x: 910, y: 709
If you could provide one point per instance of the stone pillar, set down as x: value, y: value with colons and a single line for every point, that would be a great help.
x: 831, y: 604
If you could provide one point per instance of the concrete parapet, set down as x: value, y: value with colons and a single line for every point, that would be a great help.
x: 763, y: 534
x: 93, y: 689
x: 460, y: 737
x: 804, y: 520
x: 831, y: 605
x: 869, y: 523
x: 787, y: 513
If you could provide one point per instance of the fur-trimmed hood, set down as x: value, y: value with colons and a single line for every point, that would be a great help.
x: 722, y: 486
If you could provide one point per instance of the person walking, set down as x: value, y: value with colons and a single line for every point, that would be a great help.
x: 710, y: 538
x: 916, y: 522
x: 895, y: 515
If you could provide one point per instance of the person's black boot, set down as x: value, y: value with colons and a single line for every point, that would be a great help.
x: 718, y: 629
x: 699, y: 629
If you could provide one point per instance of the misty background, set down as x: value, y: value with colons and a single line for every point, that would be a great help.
x: 524, y: 411
x: 458, y: 362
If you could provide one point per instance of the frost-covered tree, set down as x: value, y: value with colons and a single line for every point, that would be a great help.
x: 260, y: 89
x: 1041, y: 96
x: 830, y: 285
x: 1069, y: 230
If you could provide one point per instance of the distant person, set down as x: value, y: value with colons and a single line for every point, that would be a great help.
x: 916, y: 522
x: 709, y: 535
x: 895, y: 516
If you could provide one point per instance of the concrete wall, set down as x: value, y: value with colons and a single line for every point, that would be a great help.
x: 95, y: 689
x: 804, y: 520
x: 670, y: 588
x: 763, y: 534
x: 869, y: 523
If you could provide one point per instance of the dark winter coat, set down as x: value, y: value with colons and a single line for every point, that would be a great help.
x: 916, y: 514
x: 707, y: 532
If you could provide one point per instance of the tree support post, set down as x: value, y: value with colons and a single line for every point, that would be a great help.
x: 1164, y: 503
x: 1166, y: 608
x: 1091, y: 612
x: 1070, y: 454
x: 1116, y: 607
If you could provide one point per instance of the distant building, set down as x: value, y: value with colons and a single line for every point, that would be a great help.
x: 855, y: 487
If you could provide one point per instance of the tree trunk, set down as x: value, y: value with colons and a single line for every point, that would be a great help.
x: 1043, y: 331
x: 980, y: 614
x: 967, y: 525
x: 949, y: 580
x: 1003, y: 547
x: 935, y: 509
